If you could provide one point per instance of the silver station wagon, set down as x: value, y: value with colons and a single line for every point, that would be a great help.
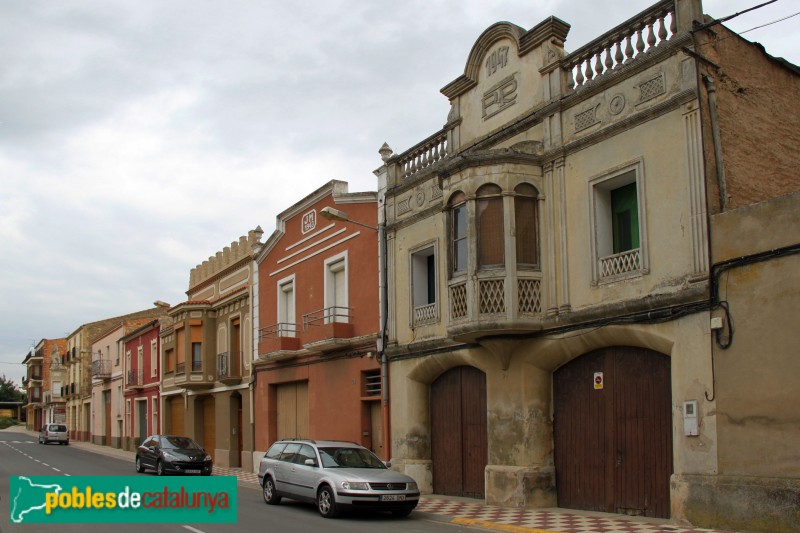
x: 335, y: 476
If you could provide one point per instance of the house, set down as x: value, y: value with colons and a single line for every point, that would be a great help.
x: 206, y: 344
x: 554, y: 275
x: 78, y: 361
x: 108, y: 369
x: 316, y: 315
x: 43, y: 383
x: 142, y: 349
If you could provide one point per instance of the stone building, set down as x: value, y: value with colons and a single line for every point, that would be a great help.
x: 551, y: 290
x: 316, y: 314
x: 206, y: 342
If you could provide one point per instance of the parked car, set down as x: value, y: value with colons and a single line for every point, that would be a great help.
x: 54, y: 433
x: 172, y: 454
x: 335, y: 476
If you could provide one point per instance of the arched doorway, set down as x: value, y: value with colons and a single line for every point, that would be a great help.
x: 458, y: 432
x: 613, y: 432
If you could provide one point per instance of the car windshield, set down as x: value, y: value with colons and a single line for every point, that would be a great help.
x: 349, y: 458
x: 181, y: 443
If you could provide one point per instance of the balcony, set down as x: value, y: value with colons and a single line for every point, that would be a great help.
x: 134, y: 379
x: 328, y: 329
x: 101, y: 369
x: 495, y: 304
x: 229, y: 370
x: 279, y: 341
x: 194, y: 378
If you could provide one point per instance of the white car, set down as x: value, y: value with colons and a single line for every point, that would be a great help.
x: 54, y: 433
x: 334, y: 475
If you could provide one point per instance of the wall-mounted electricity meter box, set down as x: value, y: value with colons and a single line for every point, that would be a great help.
x: 690, y: 425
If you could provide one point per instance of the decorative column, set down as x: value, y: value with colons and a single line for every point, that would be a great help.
x: 549, y: 235
x: 697, y: 198
x: 562, y: 227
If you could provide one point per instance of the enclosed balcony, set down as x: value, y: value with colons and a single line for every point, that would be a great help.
x: 278, y: 341
x: 495, y: 305
x: 327, y: 329
x: 101, y: 369
x: 229, y: 369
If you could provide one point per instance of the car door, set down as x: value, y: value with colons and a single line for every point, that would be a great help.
x: 284, y: 476
x: 147, y: 452
x: 305, y: 476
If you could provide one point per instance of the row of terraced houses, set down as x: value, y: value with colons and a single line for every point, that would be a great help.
x: 581, y: 292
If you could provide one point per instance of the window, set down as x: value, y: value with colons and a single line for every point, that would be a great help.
x: 154, y: 411
x: 153, y: 359
x: 286, y: 308
x: 336, y: 297
x: 139, y: 364
x: 526, y: 223
x: 491, y: 236
x: 618, y: 204
x: 458, y: 233
x: 197, y: 357
x: 169, y: 360
x: 423, y: 285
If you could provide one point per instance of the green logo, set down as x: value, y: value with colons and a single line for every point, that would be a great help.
x: 122, y: 499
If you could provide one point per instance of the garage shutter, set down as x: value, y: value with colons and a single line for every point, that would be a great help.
x: 176, y: 411
x: 209, y: 426
x: 293, y: 410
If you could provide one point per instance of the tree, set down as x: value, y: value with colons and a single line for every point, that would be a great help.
x: 9, y: 391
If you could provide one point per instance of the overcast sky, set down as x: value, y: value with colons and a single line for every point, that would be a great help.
x: 137, y: 138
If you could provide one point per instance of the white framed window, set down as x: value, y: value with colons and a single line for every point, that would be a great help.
x: 337, y: 300
x: 424, y: 286
x: 154, y: 413
x: 619, y: 243
x: 457, y: 227
x: 286, y: 308
x: 153, y: 358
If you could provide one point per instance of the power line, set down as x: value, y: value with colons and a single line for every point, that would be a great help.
x: 770, y: 23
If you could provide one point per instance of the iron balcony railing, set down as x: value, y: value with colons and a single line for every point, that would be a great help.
x: 228, y: 365
x: 101, y: 368
x: 328, y: 315
x: 134, y: 378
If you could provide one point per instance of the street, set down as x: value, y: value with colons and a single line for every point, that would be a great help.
x: 21, y: 455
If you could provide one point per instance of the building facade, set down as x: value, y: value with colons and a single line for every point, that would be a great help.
x: 550, y: 293
x: 317, y: 370
x: 141, y: 373
x: 44, y: 382
x: 206, y: 344
x: 78, y: 361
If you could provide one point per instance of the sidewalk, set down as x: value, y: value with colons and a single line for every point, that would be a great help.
x: 469, y: 512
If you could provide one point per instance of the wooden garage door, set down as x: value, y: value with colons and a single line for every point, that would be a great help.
x: 458, y: 432
x: 613, y: 445
x: 176, y: 412
x: 293, y: 410
x: 209, y: 426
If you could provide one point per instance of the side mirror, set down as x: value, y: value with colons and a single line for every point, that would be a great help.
x: 310, y: 462
x: 388, y: 464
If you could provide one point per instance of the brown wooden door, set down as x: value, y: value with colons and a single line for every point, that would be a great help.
x: 176, y: 414
x: 293, y: 410
x: 209, y: 426
x: 459, y: 447
x: 613, y: 446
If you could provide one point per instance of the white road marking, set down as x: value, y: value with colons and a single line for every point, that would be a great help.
x: 193, y: 529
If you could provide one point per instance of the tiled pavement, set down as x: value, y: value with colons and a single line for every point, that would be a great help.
x: 474, y: 513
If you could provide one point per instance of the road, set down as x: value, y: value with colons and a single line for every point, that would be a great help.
x: 21, y: 455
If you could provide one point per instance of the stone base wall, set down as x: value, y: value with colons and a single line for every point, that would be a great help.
x: 766, y: 505
x: 515, y: 486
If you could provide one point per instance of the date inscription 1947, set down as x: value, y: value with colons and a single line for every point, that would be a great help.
x: 496, y: 60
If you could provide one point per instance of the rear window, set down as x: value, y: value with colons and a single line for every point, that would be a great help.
x: 276, y: 449
x: 58, y: 427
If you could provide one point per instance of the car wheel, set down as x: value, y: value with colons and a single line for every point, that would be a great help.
x: 160, y: 468
x: 139, y: 466
x: 326, y: 504
x: 401, y: 513
x: 270, y: 496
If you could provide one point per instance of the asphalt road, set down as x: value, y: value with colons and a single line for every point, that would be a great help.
x: 21, y: 455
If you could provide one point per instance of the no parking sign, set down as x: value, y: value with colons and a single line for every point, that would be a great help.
x: 598, y: 380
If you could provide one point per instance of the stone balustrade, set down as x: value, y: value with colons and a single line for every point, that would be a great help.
x: 621, y: 45
x: 423, y: 154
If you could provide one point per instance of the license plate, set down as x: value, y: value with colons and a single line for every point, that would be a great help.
x: 192, y: 471
x: 393, y: 498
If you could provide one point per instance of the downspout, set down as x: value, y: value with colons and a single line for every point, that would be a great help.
x: 712, y: 104
x: 384, y: 293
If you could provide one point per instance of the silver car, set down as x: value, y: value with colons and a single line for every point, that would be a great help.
x: 54, y: 433
x: 335, y: 476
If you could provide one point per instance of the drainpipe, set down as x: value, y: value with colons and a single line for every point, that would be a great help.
x: 712, y: 104
x: 384, y: 292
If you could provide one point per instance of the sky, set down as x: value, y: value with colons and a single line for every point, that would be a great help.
x: 139, y: 138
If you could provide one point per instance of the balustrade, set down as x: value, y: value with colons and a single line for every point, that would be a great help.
x: 621, y: 45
